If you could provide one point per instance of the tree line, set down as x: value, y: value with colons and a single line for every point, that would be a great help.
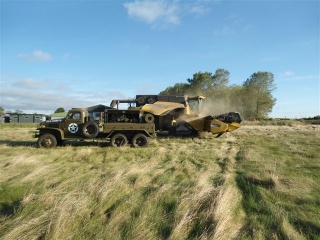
x: 17, y: 111
x: 253, y: 99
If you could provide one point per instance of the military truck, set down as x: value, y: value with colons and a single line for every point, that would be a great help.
x: 119, y: 126
x: 180, y: 115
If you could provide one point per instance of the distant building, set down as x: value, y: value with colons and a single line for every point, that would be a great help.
x: 4, y: 118
x: 24, y: 118
x: 95, y: 111
x: 14, y: 118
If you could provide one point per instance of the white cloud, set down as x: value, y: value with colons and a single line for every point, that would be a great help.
x: 66, y: 56
x: 36, y: 56
x: 267, y: 59
x: 294, y: 77
x: 47, y: 102
x: 153, y: 11
x: 199, y: 9
x: 209, y: 1
x: 248, y: 28
x: 165, y: 13
x: 29, y: 83
x: 225, y: 31
x: 287, y: 74
x: 234, y: 19
x: 234, y: 24
x: 45, y: 96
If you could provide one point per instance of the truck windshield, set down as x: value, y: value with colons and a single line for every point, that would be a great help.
x: 73, y: 115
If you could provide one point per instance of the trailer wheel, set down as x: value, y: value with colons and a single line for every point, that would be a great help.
x: 119, y: 140
x: 90, y: 129
x: 47, y: 141
x: 139, y: 140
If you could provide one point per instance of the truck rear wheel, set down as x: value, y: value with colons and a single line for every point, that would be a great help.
x: 140, y: 140
x: 90, y: 129
x: 119, y: 140
x: 47, y: 141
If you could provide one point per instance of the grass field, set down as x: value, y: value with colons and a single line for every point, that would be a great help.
x: 258, y: 182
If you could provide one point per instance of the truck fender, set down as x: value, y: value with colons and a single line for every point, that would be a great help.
x: 58, y: 133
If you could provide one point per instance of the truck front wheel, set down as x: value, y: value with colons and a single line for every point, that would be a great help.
x: 47, y: 141
x: 119, y: 140
x: 139, y: 140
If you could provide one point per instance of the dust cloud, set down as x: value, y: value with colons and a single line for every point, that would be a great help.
x: 215, y: 107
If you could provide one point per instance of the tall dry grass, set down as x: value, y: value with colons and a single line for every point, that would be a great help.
x: 226, y: 188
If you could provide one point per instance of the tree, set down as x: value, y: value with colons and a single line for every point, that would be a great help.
x: 236, y: 93
x: 257, y: 97
x: 1, y: 110
x: 201, y: 83
x: 252, y: 99
x: 210, y: 85
x: 220, y: 78
x: 177, y: 89
x: 220, y: 88
x: 17, y: 111
x: 59, y: 110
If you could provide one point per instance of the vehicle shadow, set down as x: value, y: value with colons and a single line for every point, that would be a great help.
x: 18, y: 143
x: 67, y: 143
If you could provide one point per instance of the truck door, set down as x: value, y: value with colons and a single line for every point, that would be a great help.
x: 73, y: 125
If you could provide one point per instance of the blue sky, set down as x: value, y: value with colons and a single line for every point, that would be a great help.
x: 82, y: 53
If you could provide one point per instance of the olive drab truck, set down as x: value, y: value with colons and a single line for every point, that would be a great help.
x: 119, y: 126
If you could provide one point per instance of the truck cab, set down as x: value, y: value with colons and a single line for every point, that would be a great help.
x: 78, y: 124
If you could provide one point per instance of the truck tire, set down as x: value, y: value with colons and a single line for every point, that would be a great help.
x: 119, y: 140
x: 141, y: 100
x: 90, y: 129
x: 47, y: 141
x: 149, y: 118
x: 140, y: 140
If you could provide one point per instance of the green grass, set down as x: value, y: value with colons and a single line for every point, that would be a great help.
x: 259, y: 182
x: 278, y: 175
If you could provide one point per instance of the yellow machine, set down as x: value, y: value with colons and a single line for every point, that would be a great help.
x: 181, y: 115
x: 181, y: 119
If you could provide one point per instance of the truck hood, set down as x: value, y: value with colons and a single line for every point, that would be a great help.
x: 51, y: 123
x: 55, y: 120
